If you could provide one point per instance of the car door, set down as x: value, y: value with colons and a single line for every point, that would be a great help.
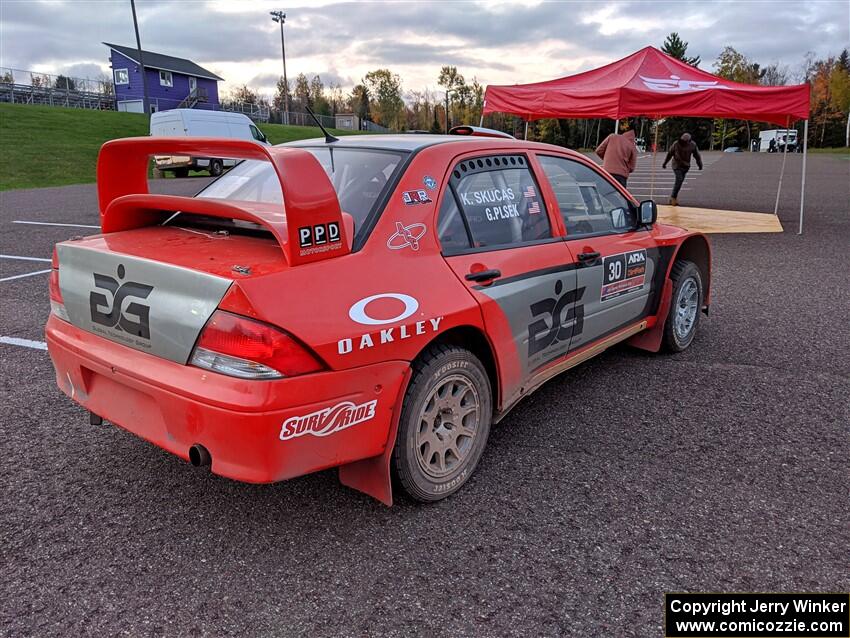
x: 497, y: 235
x: 616, y: 261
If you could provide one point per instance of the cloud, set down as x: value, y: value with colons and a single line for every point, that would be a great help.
x: 497, y: 42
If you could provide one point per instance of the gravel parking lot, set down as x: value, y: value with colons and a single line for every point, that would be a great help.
x: 725, y: 468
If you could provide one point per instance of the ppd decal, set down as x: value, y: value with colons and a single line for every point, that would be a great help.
x: 106, y: 309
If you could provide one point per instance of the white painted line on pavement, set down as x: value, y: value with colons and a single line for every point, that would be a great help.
x: 23, y: 258
x: 26, y: 343
x: 28, y: 274
x: 21, y: 221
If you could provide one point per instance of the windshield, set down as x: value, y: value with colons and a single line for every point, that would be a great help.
x: 359, y: 177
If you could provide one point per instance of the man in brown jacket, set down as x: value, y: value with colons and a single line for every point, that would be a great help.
x: 681, y: 152
x: 619, y: 155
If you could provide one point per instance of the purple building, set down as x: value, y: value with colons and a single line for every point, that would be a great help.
x: 172, y: 82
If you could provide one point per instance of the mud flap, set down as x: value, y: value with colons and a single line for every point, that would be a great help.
x: 651, y: 339
x: 372, y: 476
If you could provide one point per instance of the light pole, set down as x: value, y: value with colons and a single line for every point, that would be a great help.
x: 145, y: 100
x: 447, y: 108
x: 280, y: 17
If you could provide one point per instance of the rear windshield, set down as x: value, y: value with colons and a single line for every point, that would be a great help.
x: 360, y: 177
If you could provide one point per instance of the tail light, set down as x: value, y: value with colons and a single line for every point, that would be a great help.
x: 57, y: 305
x: 248, y: 349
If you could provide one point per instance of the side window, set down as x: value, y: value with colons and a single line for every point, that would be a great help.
x: 450, y: 227
x: 256, y: 134
x: 500, y: 202
x: 589, y: 203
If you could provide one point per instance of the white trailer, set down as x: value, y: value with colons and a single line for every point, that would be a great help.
x: 778, y: 135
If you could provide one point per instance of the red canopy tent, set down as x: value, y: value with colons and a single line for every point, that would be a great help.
x: 652, y: 83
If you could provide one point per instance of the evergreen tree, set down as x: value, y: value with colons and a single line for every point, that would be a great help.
x: 675, y: 47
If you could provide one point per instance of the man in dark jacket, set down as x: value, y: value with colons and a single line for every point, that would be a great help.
x: 680, y: 152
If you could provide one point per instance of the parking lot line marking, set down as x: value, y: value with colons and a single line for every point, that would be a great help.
x: 26, y: 343
x: 21, y: 221
x: 28, y: 274
x: 23, y: 258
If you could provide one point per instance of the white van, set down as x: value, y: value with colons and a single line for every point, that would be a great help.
x: 201, y: 123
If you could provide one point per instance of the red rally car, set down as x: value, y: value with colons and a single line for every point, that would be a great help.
x: 373, y: 303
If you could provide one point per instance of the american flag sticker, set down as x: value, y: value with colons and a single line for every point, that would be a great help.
x: 534, y: 205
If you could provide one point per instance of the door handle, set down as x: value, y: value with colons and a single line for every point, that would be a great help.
x: 593, y: 256
x: 484, y: 275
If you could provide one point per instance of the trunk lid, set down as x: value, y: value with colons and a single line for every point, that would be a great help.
x: 154, y: 288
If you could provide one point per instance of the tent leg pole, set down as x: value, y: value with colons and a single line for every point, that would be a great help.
x: 654, y: 159
x: 803, y: 185
x: 617, y: 126
x: 526, y: 130
x: 782, y: 170
x: 481, y: 123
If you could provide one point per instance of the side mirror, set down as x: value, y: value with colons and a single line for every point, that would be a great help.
x: 648, y: 212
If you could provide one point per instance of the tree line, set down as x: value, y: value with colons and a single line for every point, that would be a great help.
x: 381, y: 98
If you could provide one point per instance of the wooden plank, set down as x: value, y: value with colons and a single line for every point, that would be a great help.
x: 707, y: 220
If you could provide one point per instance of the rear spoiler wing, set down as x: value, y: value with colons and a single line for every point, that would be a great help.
x: 308, y: 228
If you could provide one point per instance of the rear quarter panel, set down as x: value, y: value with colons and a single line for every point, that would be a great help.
x: 318, y: 302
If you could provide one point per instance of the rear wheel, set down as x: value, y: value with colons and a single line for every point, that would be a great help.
x: 683, y: 319
x: 216, y: 167
x: 445, y: 421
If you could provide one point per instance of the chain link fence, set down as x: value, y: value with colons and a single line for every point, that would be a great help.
x: 20, y: 86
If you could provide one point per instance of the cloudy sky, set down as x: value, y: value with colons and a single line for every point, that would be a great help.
x: 497, y: 42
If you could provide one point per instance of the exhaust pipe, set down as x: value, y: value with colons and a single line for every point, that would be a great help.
x: 199, y: 456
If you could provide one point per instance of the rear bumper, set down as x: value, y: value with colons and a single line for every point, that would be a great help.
x: 239, y: 422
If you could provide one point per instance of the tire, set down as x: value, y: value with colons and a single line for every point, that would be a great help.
x: 181, y: 172
x: 216, y: 167
x: 433, y: 455
x: 683, y: 319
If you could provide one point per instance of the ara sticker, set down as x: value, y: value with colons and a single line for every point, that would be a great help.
x: 412, y: 198
x: 623, y: 273
x: 430, y: 182
x: 405, y: 236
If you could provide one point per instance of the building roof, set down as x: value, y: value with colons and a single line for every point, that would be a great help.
x: 165, y: 62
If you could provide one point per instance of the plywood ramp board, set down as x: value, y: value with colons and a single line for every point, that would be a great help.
x: 709, y: 220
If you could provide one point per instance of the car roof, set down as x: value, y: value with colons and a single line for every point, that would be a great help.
x: 409, y: 142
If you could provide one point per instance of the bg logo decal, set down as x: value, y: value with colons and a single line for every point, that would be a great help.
x: 327, y: 421
x: 135, y: 319
x: 555, y: 325
x: 405, y: 236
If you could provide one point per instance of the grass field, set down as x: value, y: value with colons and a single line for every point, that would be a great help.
x: 52, y: 146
